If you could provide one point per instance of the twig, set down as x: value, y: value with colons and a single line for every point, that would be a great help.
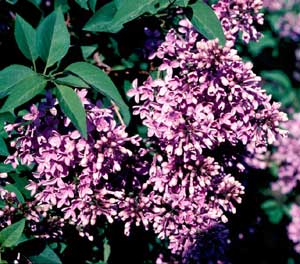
x: 116, y: 109
x: 100, y: 63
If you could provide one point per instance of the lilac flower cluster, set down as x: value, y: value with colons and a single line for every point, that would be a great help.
x: 79, y: 178
x: 289, y: 26
x: 286, y: 157
x: 240, y: 16
x: 210, y: 247
x: 294, y: 227
x: 207, y: 98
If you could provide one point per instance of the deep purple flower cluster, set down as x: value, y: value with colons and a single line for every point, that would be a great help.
x: 294, y: 227
x: 153, y: 40
x: 240, y: 16
x: 207, y: 97
x: 77, y: 177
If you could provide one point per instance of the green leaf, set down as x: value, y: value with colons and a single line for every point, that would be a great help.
x: 72, y: 107
x: 6, y: 167
x: 101, y: 82
x: 101, y: 20
x: 12, y: 1
x: 118, y: 3
x: 14, y: 189
x: 13, y: 77
x: 275, y: 215
x: 36, y: 3
x: 290, y: 261
x: 88, y: 50
x: 206, y: 22
x: 20, y: 183
x: 10, y: 235
x: 23, y: 239
x: 72, y: 80
x: 112, y: 16
x: 106, y: 250
x: 3, y: 148
x: 279, y: 77
x: 269, y: 204
x: 267, y: 41
x: 92, y: 5
x: 83, y: 3
x: 30, y: 87
x: 47, y: 256
x: 53, y: 39
x: 62, y: 4
x: 183, y: 3
x: 26, y: 38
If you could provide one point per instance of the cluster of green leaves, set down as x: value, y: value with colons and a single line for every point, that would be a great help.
x: 51, y: 42
x: 113, y: 16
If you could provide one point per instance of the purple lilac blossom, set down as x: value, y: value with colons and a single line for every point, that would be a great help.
x: 277, y: 5
x: 79, y: 178
x: 286, y: 157
x: 293, y: 228
x: 240, y: 16
x: 208, y: 97
x: 289, y: 26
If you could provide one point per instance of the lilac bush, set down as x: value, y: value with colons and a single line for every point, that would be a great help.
x: 206, y: 116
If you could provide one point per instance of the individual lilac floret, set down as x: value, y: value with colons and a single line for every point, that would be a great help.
x: 240, y: 16
x: 294, y: 227
x: 286, y: 157
x: 289, y: 26
x: 78, y: 177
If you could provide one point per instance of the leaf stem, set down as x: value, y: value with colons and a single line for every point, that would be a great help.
x: 34, y: 65
x: 116, y: 109
x: 45, y: 70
